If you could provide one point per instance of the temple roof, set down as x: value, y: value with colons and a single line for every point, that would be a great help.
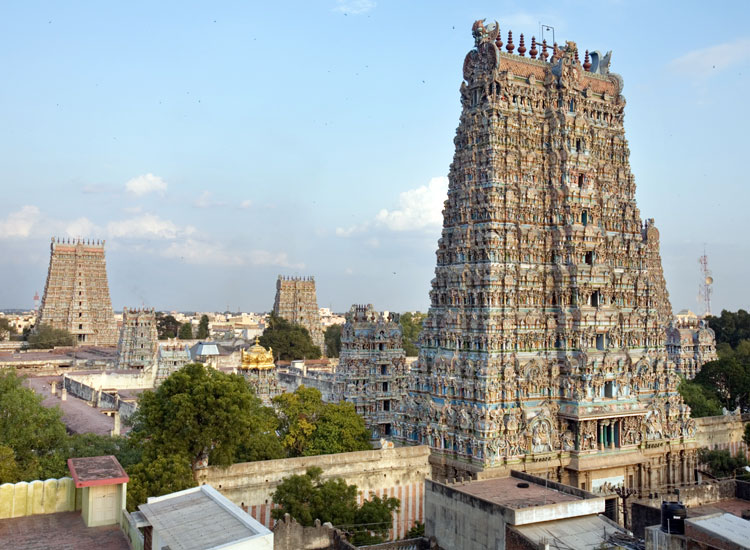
x: 257, y: 357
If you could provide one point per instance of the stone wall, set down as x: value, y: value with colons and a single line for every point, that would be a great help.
x: 642, y: 516
x: 107, y: 400
x: 399, y: 473
x: 39, y: 497
x: 722, y: 432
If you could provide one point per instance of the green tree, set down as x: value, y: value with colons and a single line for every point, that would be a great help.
x: 6, y: 329
x: 163, y: 475
x: 730, y: 327
x: 186, y: 331
x: 89, y: 444
x: 411, y: 326
x: 307, y: 498
x: 374, y: 519
x: 288, y: 341
x: 730, y: 379
x: 32, y: 436
x: 308, y: 426
x: 203, y: 328
x: 721, y: 463
x: 198, y: 413
x: 166, y: 326
x: 416, y: 531
x: 333, y: 340
x: 702, y: 401
x: 47, y: 337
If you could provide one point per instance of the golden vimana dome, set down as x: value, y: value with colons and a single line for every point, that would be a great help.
x: 257, y: 357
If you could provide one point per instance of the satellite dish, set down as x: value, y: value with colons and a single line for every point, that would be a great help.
x: 709, y: 280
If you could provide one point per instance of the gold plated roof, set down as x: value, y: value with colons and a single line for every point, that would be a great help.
x: 257, y: 357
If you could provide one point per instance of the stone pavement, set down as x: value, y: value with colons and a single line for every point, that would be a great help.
x: 61, y: 531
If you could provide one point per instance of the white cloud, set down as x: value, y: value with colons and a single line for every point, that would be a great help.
x: 145, y: 184
x: 354, y: 7
x: 145, y: 226
x: 246, y: 204
x: 206, y: 200
x: 278, y: 259
x: 709, y: 61
x: 20, y: 223
x: 82, y: 227
x: 418, y: 208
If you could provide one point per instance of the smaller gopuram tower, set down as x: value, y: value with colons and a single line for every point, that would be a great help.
x: 259, y: 370
x: 76, y: 296
x: 138, y: 346
x: 297, y: 302
x: 373, y: 364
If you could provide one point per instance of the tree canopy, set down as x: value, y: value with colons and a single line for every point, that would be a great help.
x: 730, y: 327
x: 289, y: 341
x: 6, y: 329
x: 203, y: 328
x: 307, y: 498
x: 411, y: 326
x: 721, y: 463
x: 47, y: 337
x: 333, y: 340
x: 32, y: 437
x: 166, y: 326
x: 308, y: 426
x: 186, y: 331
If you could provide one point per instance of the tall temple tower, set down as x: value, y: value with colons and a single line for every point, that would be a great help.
x: 138, y: 346
x: 296, y: 301
x: 76, y: 295
x: 373, y: 364
x: 544, y: 346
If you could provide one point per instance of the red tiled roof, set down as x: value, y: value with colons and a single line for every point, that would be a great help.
x: 96, y: 470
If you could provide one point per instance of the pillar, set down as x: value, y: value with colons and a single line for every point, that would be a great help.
x: 64, y: 394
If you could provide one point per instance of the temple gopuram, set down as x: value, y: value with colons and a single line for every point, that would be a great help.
x: 544, y: 346
x: 259, y: 369
x: 76, y: 295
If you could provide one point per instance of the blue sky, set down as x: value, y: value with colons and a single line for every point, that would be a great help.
x: 217, y: 145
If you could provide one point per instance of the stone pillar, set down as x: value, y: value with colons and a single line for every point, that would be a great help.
x: 64, y: 394
x: 53, y: 388
x: 116, y: 427
x: 612, y: 434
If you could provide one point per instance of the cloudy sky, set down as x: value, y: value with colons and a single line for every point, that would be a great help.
x: 217, y: 145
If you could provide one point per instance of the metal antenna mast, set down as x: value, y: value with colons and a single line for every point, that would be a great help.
x: 705, y: 288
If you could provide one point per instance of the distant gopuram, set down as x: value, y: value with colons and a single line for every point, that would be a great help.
x: 76, y: 296
x: 373, y: 364
x: 544, y: 346
x: 138, y: 346
x: 296, y: 301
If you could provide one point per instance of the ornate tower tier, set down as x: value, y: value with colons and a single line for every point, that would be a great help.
x: 76, y: 296
x: 373, y: 364
x: 259, y: 369
x: 138, y: 346
x: 546, y: 331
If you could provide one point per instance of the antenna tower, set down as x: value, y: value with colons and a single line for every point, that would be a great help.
x: 705, y: 288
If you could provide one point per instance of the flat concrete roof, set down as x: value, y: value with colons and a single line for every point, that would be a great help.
x: 735, y: 506
x: 724, y: 527
x: 513, y: 492
x: 61, y: 530
x: 582, y: 533
x: 199, y: 518
x: 96, y: 470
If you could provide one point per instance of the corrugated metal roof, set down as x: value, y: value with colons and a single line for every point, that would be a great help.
x: 571, y: 534
x: 199, y: 519
x: 724, y: 526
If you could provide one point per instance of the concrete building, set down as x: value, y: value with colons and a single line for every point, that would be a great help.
x: 200, y: 518
x: 297, y: 302
x: 372, y: 365
x: 544, y: 345
x: 104, y: 484
x: 517, y: 512
x: 76, y: 295
x: 720, y: 531
x: 138, y: 345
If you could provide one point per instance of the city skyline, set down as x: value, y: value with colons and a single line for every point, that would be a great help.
x: 219, y: 147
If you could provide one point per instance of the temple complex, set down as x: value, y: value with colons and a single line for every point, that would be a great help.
x: 259, y: 369
x: 690, y: 343
x: 544, y: 346
x: 372, y: 365
x: 172, y: 356
x: 138, y: 345
x: 76, y: 295
x: 296, y: 301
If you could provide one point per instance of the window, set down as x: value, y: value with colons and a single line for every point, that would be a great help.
x: 386, y: 405
x: 609, y: 389
x: 595, y: 299
x: 600, y: 342
x: 589, y: 258
x: 383, y: 370
x: 381, y: 346
x: 580, y: 181
x: 80, y: 327
x: 584, y: 218
x: 385, y: 386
